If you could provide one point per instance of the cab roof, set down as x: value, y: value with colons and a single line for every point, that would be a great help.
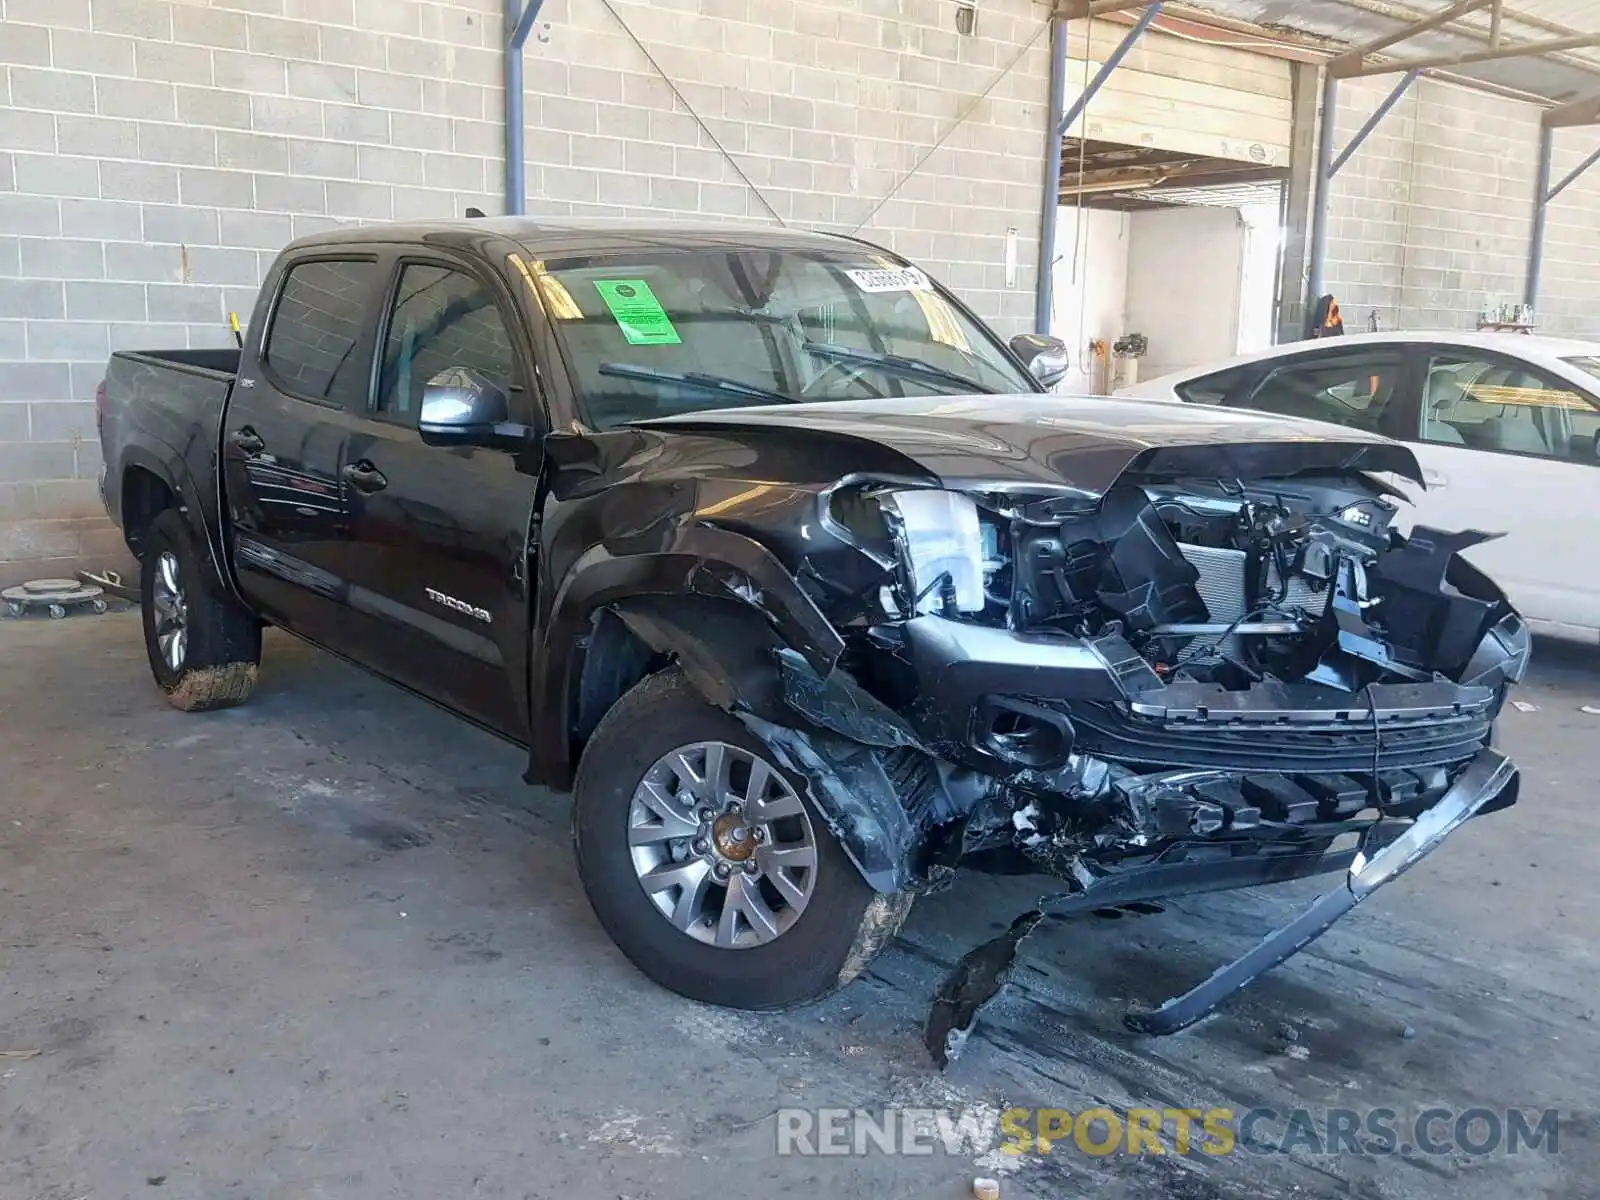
x: 542, y: 236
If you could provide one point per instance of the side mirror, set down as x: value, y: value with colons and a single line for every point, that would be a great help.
x: 1045, y: 357
x: 462, y: 408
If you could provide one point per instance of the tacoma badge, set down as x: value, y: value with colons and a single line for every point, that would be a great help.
x: 461, y: 606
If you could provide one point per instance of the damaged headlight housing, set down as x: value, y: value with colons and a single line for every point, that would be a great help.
x: 940, y: 545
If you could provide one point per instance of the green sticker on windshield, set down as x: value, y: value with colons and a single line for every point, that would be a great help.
x: 637, y: 312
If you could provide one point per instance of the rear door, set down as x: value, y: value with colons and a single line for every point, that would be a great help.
x: 1507, y: 447
x: 438, y: 536
x: 284, y: 434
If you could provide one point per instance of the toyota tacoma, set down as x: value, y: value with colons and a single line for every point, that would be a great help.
x: 802, y: 582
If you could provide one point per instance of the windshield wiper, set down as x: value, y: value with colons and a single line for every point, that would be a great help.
x: 896, y: 364
x: 697, y: 379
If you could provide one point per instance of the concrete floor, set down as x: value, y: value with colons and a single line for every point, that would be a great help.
x: 328, y: 945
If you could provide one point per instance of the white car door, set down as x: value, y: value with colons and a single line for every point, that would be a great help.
x: 1508, y: 448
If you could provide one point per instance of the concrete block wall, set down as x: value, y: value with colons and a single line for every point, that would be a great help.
x: 155, y: 154
x: 1431, y: 217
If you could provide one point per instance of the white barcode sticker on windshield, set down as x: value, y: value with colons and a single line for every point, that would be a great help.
x: 902, y: 279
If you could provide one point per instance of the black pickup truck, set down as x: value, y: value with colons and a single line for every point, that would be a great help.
x: 769, y: 550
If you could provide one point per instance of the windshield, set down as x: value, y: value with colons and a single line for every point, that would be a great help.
x: 659, y: 332
x: 1589, y: 364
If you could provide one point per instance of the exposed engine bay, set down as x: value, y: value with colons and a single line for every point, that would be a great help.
x: 1181, y: 685
x: 1148, y: 650
x: 1225, y: 582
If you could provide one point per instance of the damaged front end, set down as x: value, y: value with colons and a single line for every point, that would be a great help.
x: 1174, y: 684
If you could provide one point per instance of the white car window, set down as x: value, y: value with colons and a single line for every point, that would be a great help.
x: 1501, y: 405
x: 1352, y: 388
x: 1217, y: 388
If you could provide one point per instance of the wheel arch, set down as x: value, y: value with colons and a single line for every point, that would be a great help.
x: 710, y: 597
x: 149, y: 486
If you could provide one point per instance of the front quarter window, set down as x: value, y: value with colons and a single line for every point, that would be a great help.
x: 661, y: 332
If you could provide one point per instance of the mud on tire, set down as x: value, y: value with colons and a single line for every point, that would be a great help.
x: 215, y: 663
x: 843, y: 923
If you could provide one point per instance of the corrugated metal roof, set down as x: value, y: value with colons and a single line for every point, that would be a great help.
x: 1557, y: 77
x: 1582, y: 15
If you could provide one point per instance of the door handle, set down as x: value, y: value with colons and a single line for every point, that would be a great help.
x: 247, y: 440
x: 364, y: 477
x: 1434, y: 479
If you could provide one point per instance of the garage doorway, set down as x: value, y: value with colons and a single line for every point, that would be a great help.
x: 1164, y: 261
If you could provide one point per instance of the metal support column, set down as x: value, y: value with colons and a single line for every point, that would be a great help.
x: 1330, y: 164
x: 1319, y: 207
x: 1541, y: 205
x: 520, y: 16
x: 1544, y: 193
x: 1050, y: 202
x: 1056, y: 129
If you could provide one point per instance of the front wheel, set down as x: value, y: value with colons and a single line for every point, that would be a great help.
x: 706, y: 864
x: 204, y: 648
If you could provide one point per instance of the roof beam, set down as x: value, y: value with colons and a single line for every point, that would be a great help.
x: 1350, y: 63
x: 1073, y: 10
x: 1518, y: 50
x: 1578, y: 112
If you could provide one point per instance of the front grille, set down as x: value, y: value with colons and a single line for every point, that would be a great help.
x: 1115, y: 732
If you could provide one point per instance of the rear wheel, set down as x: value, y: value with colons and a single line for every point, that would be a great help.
x: 706, y: 864
x: 204, y: 648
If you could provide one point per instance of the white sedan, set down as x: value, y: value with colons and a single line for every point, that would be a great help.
x: 1506, y: 427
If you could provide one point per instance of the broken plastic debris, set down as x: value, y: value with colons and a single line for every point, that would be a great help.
x: 977, y: 979
x: 1524, y: 706
x: 986, y: 1189
x: 1591, y: 710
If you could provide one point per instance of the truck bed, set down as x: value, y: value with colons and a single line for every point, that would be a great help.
x: 164, y: 409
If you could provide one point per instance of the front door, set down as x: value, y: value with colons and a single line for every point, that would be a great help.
x: 283, y: 441
x: 438, y: 536
x: 1507, y: 448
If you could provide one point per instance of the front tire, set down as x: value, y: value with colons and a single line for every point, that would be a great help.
x: 204, y: 648
x: 707, y: 865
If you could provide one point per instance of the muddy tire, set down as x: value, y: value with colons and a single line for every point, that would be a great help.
x: 204, y: 648
x: 706, y: 864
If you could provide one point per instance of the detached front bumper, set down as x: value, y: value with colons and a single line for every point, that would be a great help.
x: 1489, y: 778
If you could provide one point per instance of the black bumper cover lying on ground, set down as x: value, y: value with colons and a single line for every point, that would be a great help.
x: 1489, y: 779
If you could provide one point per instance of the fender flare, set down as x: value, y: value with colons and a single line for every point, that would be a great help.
x: 699, y: 561
x: 162, y: 462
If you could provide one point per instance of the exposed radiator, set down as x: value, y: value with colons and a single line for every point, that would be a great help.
x: 1221, y: 583
x: 1222, y: 586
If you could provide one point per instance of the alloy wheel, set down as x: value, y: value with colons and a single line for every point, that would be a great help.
x: 722, y: 845
x: 172, y: 611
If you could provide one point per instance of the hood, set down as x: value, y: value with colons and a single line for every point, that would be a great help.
x: 1084, y: 443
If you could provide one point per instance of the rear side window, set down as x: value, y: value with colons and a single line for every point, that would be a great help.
x: 314, y: 346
